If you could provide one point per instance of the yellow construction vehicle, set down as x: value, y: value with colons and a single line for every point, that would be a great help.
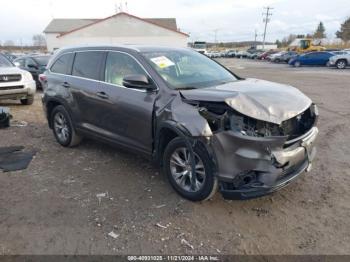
x: 306, y: 45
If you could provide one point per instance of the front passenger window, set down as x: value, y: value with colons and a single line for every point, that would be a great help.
x: 119, y: 65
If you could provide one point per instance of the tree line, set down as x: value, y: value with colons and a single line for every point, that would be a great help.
x: 320, y: 32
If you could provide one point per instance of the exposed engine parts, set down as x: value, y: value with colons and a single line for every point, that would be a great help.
x: 222, y: 117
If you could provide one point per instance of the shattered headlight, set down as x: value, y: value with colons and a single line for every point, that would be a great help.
x: 251, y: 127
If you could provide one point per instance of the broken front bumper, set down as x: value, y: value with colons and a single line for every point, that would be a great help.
x: 254, y: 166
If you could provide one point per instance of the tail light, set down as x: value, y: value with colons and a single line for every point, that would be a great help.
x: 42, y: 78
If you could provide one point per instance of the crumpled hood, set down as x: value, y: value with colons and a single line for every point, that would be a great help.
x: 259, y: 99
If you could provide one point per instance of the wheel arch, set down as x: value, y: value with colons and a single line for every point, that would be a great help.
x: 169, y: 130
x: 51, y: 104
x: 165, y: 132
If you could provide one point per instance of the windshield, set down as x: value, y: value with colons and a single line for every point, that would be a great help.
x: 188, y: 69
x: 42, y: 60
x: 4, y: 62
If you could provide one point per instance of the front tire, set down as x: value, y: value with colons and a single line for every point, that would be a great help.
x: 177, y: 167
x: 341, y: 64
x: 29, y: 100
x: 63, y: 129
x: 297, y: 64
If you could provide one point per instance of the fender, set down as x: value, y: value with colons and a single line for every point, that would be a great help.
x: 181, y: 131
x: 173, y: 126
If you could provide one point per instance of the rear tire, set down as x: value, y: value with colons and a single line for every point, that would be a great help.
x: 28, y: 101
x: 341, y: 64
x: 63, y: 128
x: 207, y: 182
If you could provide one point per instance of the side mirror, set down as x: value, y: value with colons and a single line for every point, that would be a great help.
x: 138, y: 82
x: 17, y: 64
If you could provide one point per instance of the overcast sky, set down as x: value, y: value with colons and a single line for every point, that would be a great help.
x: 234, y: 20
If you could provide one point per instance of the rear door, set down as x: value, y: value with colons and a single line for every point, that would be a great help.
x: 126, y: 114
x: 83, y: 84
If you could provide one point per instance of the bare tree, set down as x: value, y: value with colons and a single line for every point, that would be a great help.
x: 39, y: 40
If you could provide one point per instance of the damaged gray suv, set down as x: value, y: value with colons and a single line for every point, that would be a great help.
x: 208, y: 128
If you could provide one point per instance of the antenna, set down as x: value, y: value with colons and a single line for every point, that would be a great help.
x: 266, y: 20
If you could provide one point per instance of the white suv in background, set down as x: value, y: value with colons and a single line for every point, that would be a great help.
x: 15, y: 83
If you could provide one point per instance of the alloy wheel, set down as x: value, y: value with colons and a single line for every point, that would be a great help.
x: 181, y: 170
x: 341, y: 65
x: 61, y: 127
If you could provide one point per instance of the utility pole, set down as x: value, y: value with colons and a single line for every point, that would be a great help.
x: 255, y: 36
x: 215, y: 33
x: 266, y: 20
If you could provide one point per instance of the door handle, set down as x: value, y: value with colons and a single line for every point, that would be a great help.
x: 66, y: 85
x: 102, y: 95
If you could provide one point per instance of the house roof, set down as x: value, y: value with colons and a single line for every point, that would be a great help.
x: 66, y: 26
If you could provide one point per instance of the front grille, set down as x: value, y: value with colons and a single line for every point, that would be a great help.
x: 10, y: 78
x: 10, y: 87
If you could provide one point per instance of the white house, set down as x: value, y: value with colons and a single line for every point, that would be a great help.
x: 121, y: 28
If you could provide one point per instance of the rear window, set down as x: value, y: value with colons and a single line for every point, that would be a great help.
x: 88, y: 64
x: 62, y: 64
x: 42, y: 60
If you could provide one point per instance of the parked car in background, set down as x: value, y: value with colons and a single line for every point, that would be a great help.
x: 213, y: 54
x: 231, y: 53
x: 205, y: 126
x: 9, y: 56
x: 242, y: 54
x: 341, y: 52
x: 340, y: 61
x: 255, y: 54
x: 283, y: 56
x: 15, y: 83
x: 311, y: 59
x: 265, y: 54
x: 35, y: 64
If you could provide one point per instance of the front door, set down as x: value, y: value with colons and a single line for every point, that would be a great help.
x: 127, y: 113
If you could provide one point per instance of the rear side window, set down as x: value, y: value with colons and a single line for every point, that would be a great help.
x: 88, y: 64
x: 62, y: 64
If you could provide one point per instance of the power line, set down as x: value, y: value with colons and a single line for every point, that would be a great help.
x: 266, y: 20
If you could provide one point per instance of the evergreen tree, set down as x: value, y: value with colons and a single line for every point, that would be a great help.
x: 344, y: 32
x: 320, y: 31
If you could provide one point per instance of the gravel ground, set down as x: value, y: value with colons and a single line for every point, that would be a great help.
x: 52, y: 207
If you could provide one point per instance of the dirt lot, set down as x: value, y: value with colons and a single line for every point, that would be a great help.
x: 52, y: 208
